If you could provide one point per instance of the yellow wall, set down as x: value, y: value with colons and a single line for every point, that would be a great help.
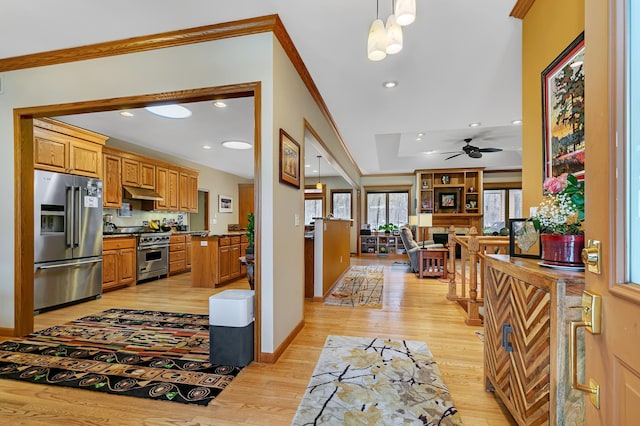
x: 549, y: 27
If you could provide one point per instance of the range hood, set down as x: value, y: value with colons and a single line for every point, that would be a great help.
x: 133, y: 193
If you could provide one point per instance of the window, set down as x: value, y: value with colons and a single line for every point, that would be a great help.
x: 387, y: 207
x: 341, y: 204
x: 313, y: 204
x: 500, y: 204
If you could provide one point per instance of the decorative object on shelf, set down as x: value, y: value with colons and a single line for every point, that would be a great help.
x: 524, y: 239
x: 249, y: 252
x: 289, y: 160
x: 559, y: 218
x: 563, y: 112
x: 383, y: 40
x: 471, y: 189
x: 425, y: 220
x: 473, y: 204
x: 425, y: 184
x: 225, y: 204
x: 445, y: 179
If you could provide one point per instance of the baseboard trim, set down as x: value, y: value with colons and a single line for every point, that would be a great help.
x: 8, y: 332
x: 271, y: 358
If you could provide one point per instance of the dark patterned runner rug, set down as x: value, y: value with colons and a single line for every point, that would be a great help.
x: 147, y: 354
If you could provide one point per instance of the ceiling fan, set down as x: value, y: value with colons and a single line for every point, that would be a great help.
x: 471, y: 151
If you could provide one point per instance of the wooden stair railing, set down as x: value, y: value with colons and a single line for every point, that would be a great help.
x: 474, y: 249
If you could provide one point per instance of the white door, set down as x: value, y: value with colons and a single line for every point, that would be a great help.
x: 612, y: 182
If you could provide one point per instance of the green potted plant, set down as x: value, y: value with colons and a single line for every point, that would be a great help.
x: 387, y: 227
x: 249, y: 253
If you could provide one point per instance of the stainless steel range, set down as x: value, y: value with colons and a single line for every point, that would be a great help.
x: 153, y: 255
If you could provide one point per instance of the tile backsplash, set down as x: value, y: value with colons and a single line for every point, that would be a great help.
x: 139, y: 216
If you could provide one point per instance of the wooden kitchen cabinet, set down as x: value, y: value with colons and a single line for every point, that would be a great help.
x: 216, y: 259
x: 177, y: 254
x: 162, y: 188
x: 118, y: 262
x: 526, y: 349
x: 60, y: 147
x: 130, y: 172
x: 111, y: 182
x: 147, y: 175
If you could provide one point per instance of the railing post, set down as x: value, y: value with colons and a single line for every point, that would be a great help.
x: 473, y: 314
x: 452, y: 295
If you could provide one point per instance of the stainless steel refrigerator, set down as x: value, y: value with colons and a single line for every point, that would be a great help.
x: 67, y: 238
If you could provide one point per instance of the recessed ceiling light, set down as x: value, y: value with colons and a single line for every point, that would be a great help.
x: 390, y: 84
x: 421, y: 134
x: 126, y: 114
x: 429, y: 152
x: 206, y: 146
x: 474, y: 125
x: 516, y: 122
x: 169, y: 111
x: 307, y: 165
x: 219, y: 104
x: 236, y: 145
x: 418, y: 138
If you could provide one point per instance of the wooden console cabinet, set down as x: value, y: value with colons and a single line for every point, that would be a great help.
x: 526, y: 349
x: 118, y: 262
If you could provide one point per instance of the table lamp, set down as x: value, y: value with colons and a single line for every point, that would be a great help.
x: 413, y: 221
x: 425, y: 220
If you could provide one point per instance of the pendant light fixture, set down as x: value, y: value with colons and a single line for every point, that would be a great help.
x: 405, y: 11
x: 394, y: 35
x: 319, y: 185
x: 377, y: 41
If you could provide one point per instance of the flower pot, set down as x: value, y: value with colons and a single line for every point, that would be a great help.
x: 564, y: 250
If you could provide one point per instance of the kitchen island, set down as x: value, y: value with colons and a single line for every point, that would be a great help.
x: 216, y: 258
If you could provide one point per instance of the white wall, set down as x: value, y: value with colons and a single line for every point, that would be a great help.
x: 216, y: 63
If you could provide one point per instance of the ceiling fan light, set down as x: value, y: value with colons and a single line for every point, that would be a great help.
x: 394, y: 35
x: 405, y: 12
x: 377, y: 42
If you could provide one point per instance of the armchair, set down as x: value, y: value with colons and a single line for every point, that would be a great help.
x: 412, y: 247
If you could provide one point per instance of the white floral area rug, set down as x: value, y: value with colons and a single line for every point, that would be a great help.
x: 374, y: 381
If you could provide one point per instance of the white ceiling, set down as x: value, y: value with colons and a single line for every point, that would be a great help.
x: 461, y: 64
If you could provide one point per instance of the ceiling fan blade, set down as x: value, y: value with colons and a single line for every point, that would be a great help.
x: 449, y: 158
x: 490, y: 149
x: 452, y: 152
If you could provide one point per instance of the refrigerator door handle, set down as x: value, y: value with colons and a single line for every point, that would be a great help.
x: 66, y: 265
x: 78, y: 212
x: 69, y: 217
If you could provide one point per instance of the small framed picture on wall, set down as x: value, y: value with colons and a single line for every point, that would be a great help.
x: 225, y: 204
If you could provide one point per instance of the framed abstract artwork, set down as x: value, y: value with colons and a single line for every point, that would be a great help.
x: 563, y: 112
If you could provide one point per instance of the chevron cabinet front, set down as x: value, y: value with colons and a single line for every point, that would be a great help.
x: 526, y: 325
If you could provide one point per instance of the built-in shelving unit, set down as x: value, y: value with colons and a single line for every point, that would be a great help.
x: 381, y: 245
x: 453, y: 196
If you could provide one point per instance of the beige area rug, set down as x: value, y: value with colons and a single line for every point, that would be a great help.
x: 374, y: 381
x: 359, y: 286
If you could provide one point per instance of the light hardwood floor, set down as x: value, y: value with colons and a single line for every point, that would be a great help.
x: 264, y: 394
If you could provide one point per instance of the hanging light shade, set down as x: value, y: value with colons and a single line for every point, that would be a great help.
x: 319, y: 185
x: 405, y: 11
x: 394, y: 35
x: 377, y: 43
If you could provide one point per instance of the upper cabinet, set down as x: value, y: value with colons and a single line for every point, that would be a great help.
x: 60, y: 147
x: 453, y: 196
x: 178, y: 186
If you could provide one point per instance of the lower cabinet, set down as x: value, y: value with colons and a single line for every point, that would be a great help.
x: 118, y: 262
x: 527, y: 314
x: 216, y: 259
x: 179, y: 253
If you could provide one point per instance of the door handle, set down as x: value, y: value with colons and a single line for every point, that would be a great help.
x: 592, y: 322
x: 506, y: 330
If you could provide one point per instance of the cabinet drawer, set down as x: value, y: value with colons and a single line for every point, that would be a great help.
x: 177, y: 266
x: 224, y: 241
x: 244, y: 238
x: 235, y: 239
x: 118, y: 243
x: 176, y: 256
x: 176, y: 247
x: 176, y: 239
